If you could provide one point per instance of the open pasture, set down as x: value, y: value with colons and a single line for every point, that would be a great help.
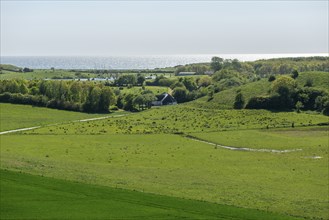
x: 182, y: 119
x: 138, y: 89
x: 44, y: 74
x: 23, y: 116
x: 312, y: 139
x: 292, y: 183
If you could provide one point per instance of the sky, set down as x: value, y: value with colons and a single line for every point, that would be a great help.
x: 110, y: 28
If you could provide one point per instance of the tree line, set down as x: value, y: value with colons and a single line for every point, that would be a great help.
x: 68, y: 95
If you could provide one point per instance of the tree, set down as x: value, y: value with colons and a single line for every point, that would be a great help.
x: 126, y: 80
x: 284, y: 86
x: 23, y: 89
x: 92, y: 102
x: 140, y: 79
x: 216, y: 63
x: 294, y: 74
x: 239, y: 101
x: 140, y: 101
x: 271, y: 78
x: 204, y: 81
x: 106, y: 99
x: 189, y: 83
x: 25, y: 70
x: 299, y: 105
x: 128, y: 102
x: 180, y: 94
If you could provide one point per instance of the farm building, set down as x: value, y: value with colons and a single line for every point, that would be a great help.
x: 186, y: 73
x: 209, y: 72
x: 164, y: 99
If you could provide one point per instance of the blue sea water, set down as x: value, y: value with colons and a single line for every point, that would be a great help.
x: 129, y: 62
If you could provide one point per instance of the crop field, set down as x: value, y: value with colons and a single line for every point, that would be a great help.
x: 23, y: 116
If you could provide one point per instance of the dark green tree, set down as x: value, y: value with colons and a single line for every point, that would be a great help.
x: 239, y: 101
x: 216, y: 63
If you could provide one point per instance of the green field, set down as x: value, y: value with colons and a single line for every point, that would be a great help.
x: 149, y: 152
x: 138, y: 89
x: 308, y: 138
x: 41, y: 74
x: 23, y: 116
x: 181, y: 119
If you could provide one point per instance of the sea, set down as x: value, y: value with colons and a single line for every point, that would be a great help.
x: 130, y: 62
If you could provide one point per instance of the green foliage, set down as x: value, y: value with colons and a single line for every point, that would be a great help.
x: 239, y: 101
x: 309, y: 83
x: 265, y: 68
x: 180, y: 94
x: 204, y: 81
x: 294, y: 74
x: 271, y: 78
x: 129, y: 79
x: 299, y: 105
x: 140, y: 79
x: 216, y: 63
x: 69, y: 95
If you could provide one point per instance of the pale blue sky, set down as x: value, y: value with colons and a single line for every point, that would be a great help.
x: 163, y: 27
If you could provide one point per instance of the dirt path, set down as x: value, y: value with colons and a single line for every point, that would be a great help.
x: 35, y: 127
x: 244, y: 148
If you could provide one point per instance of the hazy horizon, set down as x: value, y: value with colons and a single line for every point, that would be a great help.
x: 148, y: 28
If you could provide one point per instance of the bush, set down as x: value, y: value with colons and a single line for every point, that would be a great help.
x: 271, y: 78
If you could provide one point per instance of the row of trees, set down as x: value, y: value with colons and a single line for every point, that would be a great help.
x: 71, y: 95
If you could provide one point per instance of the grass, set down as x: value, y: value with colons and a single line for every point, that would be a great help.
x: 143, y: 152
x: 42, y: 74
x: 311, y: 138
x: 181, y: 119
x: 138, y: 89
x: 165, y: 164
x: 26, y: 197
x: 319, y: 79
x: 225, y: 99
x: 23, y: 116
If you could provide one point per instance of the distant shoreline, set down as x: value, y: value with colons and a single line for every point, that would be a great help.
x: 133, y: 62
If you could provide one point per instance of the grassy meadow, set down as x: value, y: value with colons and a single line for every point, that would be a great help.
x: 44, y: 74
x: 83, y: 201
x: 149, y: 152
x: 181, y: 119
x: 23, y: 116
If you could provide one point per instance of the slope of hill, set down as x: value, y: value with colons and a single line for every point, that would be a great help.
x: 225, y: 99
x: 319, y: 79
